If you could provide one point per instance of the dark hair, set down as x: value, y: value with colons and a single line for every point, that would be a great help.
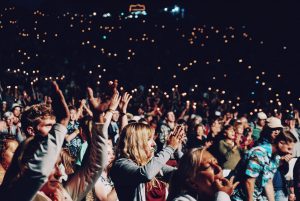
x: 266, y: 134
x: 72, y: 108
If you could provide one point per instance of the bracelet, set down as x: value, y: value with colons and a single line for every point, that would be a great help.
x: 110, y: 110
x: 122, y: 114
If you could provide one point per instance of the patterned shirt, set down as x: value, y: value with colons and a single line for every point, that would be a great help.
x: 258, y: 163
x: 75, y: 144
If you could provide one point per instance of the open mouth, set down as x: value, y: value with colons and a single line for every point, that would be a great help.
x: 54, y: 182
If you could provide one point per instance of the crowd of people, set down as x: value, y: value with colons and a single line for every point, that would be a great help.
x: 176, y: 124
x: 112, y: 147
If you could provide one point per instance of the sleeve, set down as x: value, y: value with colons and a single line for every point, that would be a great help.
x: 40, y: 155
x: 222, y: 196
x: 124, y: 169
x: 83, y: 180
x: 167, y: 172
x: 255, y: 164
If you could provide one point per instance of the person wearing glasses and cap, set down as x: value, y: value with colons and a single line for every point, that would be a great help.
x: 270, y: 131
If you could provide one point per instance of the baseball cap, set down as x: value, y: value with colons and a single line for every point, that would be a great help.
x: 261, y: 115
x: 274, y: 122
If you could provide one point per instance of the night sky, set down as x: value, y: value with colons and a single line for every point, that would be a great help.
x: 273, y: 52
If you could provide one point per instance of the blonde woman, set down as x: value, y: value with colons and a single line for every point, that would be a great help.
x: 135, y: 169
x: 199, y: 177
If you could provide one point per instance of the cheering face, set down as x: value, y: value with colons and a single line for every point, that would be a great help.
x: 208, y: 172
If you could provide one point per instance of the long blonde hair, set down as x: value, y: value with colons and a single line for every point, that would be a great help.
x: 133, y: 143
x: 187, y: 171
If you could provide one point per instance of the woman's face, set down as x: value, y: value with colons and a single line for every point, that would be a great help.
x: 9, y: 153
x: 110, y: 154
x: 229, y: 133
x: 274, y: 133
x: 208, y: 172
x: 73, y: 115
x: 200, y: 131
x: 240, y: 130
x: 151, y: 146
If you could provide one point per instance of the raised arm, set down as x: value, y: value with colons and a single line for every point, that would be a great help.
x: 35, y: 158
x: 79, y: 185
x: 60, y: 107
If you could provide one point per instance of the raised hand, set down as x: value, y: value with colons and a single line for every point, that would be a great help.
x: 226, y: 185
x: 95, y: 104
x: 59, y: 105
x: 115, y: 100
x: 124, y: 102
x: 176, y: 137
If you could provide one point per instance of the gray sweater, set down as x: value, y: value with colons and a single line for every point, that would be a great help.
x: 130, y: 179
x: 44, y: 152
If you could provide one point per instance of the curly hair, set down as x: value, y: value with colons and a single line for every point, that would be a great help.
x: 34, y: 114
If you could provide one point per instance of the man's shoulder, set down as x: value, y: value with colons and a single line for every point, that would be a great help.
x: 259, y: 151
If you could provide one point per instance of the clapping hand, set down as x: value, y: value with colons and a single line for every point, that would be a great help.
x: 176, y: 137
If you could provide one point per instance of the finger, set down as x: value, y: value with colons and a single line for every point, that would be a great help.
x: 225, y: 181
x: 235, y: 184
x: 129, y: 98
x: 119, y: 99
x: 231, y: 179
x: 178, y: 132
x: 175, y: 130
x: 218, y: 183
x: 55, y: 85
